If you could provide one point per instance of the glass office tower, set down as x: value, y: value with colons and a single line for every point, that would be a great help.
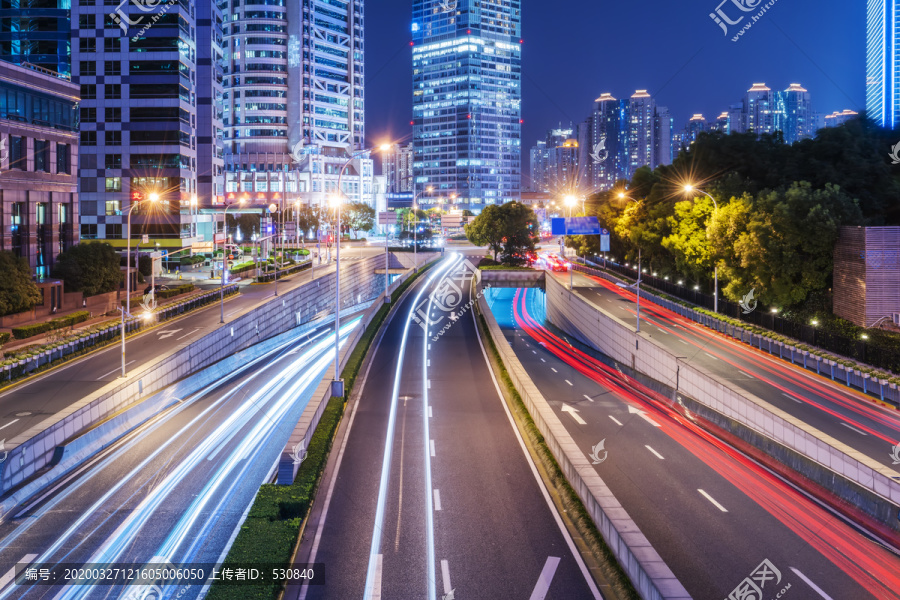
x: 36, y: 32
x: 882, y: 105
x: 467, y: 101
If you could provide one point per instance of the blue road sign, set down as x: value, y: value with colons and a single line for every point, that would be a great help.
x: 576, y: 226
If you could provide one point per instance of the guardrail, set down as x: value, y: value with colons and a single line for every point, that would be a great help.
x: 43, y: 358
x: 886, y: 392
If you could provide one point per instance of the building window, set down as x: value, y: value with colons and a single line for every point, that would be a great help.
x: 87, y: 45
x: 113, y: 91
x: 89, y: 232
x: 88, y: 138
x: 17, y: 153
x: 113, y: 207
x: 87, y: 68
x: 113, y: 184
x: 112, y: 68
x: 113, y: 161
x: 88, y: 115
x: 113, y: 138
x: 86, y: 21
x: 113, y: 44
x: 113, y: 231
x: 62, y: 159
x: 89, y: 92
x: 42, y: 156
x: 113, y: 115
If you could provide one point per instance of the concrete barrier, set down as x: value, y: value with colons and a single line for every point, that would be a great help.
x: 34, y: 449
x: 513, y: 279
x: 649, y: 574
x: 839, y: 465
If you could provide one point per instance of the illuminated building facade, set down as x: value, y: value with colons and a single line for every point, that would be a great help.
x: 882, y: 51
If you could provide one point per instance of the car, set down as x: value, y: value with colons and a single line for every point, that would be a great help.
x: 159, y: 288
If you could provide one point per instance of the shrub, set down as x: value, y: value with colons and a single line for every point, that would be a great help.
x: 4, y: 337
x: 171, y: 292
x: 27, y: 331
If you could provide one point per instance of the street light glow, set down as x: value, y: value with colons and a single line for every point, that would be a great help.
x: 153, y: 197
x: 570, y: 201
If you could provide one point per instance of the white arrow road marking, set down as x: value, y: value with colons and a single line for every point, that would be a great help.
x: 11, y: 574
x: 642, y: 414
x: 543, y: 583
x: 574, y: 412
x: 815, y: 588
x: 713, y: 500
x: 167, y: 334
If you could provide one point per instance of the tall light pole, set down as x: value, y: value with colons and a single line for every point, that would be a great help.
x: 225, y: 260
x: 337, y: 384
x: 272, y: 209
x: 570, y: 201
x: 622, y: 196
x: 153, y: 198
x: 690, y: 189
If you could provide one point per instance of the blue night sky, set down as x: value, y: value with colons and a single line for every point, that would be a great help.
x: 577, y: 49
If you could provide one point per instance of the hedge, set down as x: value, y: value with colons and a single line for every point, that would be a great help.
x: 27, y: 331
x: 4, y: 337
x: 171, y: 292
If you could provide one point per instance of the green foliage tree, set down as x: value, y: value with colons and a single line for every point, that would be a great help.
x: 509, y: 228
x: 360, y: 217
x: 89, y: 268
x: 488, y: 229
x: 308, y: 220
x: 18, y: 291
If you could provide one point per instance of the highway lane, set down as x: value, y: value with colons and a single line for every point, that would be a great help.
x: 31, y: 402
x: 713, y: 515
x: 435, y: 493
x: 846, y: 415
x: 176, y: 487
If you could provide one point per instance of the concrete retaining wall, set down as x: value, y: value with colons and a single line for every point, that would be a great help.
x: 513, y: 279
x: 649, y: 574
x: 591, y: 325
x: 35, y: 448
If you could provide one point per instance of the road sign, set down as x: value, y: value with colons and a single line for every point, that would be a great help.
x: 145, y: 239
x: 219, y: 238
x: 387, y: 218
x: 576, y: 226
x: 604, y: 240
x: 453, y: 220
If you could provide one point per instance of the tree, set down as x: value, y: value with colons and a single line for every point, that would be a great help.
x: 89, y: 268
x: 18, y: 292
x: 510, y: 229
x: 360, y: 217
x: 488, y: 229
x: 308, y: 220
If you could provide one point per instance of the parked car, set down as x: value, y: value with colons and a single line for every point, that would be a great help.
x: 159, y: 288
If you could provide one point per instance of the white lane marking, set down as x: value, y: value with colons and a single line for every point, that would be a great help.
x: 8, y: 424
x: 542, y: 360
x: 815, y: 588
x: 792, y: 398
x: 429, y: 346
x: 746, y: 374
x: 11, y: 574
x: 588, y: 578
x: 684, y: 342
x: 428, y: 363
x: 437, y: 499
x: 445, y: 575
x: 615, y: 420
x: 588, y: 397
x: 569, y: 382
x: 655, y: 453
x: 853, y: 428
x: 116, y: 370
x: 534, y: 352
x: 710, y: 355
x: 554, y: 370
x: 376, y: 587
x: 543, y: 582
x: 188, y: 334
x: 429, y: 384
x: 636, y: 411
x: 430, y: 414
x: 527, y: 345
x: 432, y: 448
x: 713, y: 500
x: 574, y: 412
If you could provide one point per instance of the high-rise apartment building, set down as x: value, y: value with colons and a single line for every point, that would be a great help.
x: 38, y: 159
x: 836, y: 119
x: 602, y: 150
x: 662, y: 137
x: 397, y: 168
x: 760, y: 110
x: 795, y: 114
x: 639, y: 132
x: 882, y: 53
x: 295, y: 102
x: 467, y: 99
x: 150, y: 125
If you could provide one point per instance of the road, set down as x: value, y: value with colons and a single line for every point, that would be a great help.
x: 177, y: 486
x: 434, y: 494
x: 29, y: 403
x: 844, y: 414
x: 711, y: 513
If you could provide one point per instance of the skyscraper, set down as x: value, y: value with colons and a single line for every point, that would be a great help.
x: 294, y: 101
x: 795, y: 114
x: 602, y: 144
x: 760, y: 109
x: 150, y: 124
x: 467, y: 99
x: 882, y: 53
x: 396, y: 166
x: 638, y: 132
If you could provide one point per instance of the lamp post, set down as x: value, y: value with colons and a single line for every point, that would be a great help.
x: 272, y: 209
x: 622, y: 196
x: 224, y: 260
x: 153, y: 198
x: 570, y: 201
x: 689, y: 189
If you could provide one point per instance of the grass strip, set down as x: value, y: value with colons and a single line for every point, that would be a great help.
x: 270, y: 532
x: 618, y: 581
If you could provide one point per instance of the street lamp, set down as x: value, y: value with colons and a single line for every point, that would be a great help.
x: 570, y: 201
x: 224, y: 259
x: 690, y: 189
x: 153, y: 198
x: 273, y: 208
